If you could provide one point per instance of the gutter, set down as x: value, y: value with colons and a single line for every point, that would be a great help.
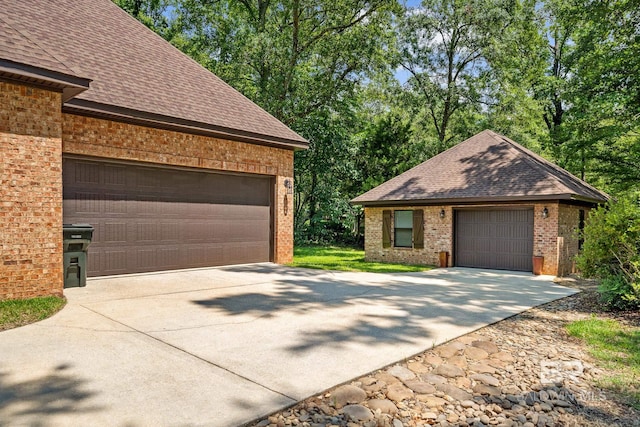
x: 110, y: 112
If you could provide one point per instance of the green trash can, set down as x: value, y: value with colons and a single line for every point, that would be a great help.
x: 76, y: 239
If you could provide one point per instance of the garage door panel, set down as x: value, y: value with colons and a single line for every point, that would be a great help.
x: 497, y: 239
x: 149, y: 219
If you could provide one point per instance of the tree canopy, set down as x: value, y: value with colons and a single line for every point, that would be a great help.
x: 377, y: 86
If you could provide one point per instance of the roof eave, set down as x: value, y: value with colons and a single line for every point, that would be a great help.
x: 472, y: 200
x: 122, y: 114
x: 69, y: 85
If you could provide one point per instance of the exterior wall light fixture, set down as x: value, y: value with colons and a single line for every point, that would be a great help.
x: 545, y: 212
x: 442, y: 213
x: 288, y: 185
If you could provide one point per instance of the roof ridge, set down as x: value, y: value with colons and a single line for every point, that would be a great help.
x: 419, y: 165
x: 541, y: 163
x: 529, y: 156
x: 6, y: 19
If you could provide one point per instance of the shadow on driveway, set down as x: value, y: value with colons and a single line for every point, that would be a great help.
x: 59, y: 392
x: 391, y: 308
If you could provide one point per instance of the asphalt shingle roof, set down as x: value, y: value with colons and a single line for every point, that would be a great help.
x: 485, y: 167
x: 16, y: 46
x: 132, y: 69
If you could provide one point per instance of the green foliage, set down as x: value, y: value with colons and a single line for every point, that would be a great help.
x: 619, y: 293
x: 445, y: 44
x: 384, y: 151
x: 345, y: 259
x: 606, y: 92
x: 303, y: 62
x: 611, y: 252
x: 321, y: 203
x: 618, y: 348
x: 561, y: 77
x: 14, y: 313
x: 151, y: 13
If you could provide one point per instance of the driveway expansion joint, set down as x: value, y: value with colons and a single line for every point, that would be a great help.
x: 208, y: 362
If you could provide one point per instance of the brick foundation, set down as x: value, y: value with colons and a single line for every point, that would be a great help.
x: 31, y: 192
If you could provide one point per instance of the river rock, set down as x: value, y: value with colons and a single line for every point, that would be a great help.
x: 420, y: 386
x: 450, y: 349
x: 486, y: 389
x: 387, y: 378
x: 431, y: 401
x: 504, y: 356
x: 401, y: 373
x: 433, y: 360
x: 386, y: 406
x: 459, y: 361
x: 475, y: 353
x: 454, y: 392
x: 347, y: 394
x: 357, y: 413
x: 486, y: 379
x: 482, y: 368
x: 449, y: 371
x: 487, y: 346
x: 398, y: 392
x: 434, y: 379
x: 418, y: 368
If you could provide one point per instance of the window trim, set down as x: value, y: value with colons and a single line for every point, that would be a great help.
x: 396, y: 228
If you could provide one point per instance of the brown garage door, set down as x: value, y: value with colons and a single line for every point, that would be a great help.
x: 153, y: 218
x: 498, y: 239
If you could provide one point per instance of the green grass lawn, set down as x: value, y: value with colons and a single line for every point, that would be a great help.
x: 618, y: 349
x: 345, y: 259
x: 14, y: 313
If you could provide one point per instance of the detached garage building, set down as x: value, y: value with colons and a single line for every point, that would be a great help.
x: 488, y: 202
x: 104, y: 122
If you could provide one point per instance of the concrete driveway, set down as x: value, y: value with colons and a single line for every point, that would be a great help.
x: 223, y: 346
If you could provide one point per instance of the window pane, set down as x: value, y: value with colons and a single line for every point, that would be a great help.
x: 404, y: 219
x: 403, y: 237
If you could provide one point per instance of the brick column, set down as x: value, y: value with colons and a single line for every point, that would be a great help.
x: 30, y: 192
x: 545, y: 236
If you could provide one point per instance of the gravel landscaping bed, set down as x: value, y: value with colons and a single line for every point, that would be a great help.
x: 522, y: 371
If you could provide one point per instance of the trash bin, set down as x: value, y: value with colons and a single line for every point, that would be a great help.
x: 76, y: 239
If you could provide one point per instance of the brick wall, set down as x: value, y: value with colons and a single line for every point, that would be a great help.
x: 568, y: 237
x: 103, y: 138
x: 438, y: 236
x: 554, y: 237
x: 545, y: 236
x: 30, y: 192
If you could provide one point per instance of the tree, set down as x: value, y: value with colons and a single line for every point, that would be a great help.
x: 303, y: 62
x: 445, y: 44
x: 290, y: 57
x: 151, y: 13
x: 611, y: 251
x: 605, y: 98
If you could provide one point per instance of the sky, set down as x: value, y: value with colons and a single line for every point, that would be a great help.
x: 403, y: 75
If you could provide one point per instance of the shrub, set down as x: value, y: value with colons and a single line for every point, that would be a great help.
x: 611, y: 252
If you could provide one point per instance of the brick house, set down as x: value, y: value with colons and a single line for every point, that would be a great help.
x: 104, y: 122
x: 488, y: 202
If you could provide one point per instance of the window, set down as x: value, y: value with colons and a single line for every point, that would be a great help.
x: 405, y: 227
x: 403, y: 232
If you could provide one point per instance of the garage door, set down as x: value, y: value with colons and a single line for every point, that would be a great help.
x: 498, y: 239
x: 153, y: 218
